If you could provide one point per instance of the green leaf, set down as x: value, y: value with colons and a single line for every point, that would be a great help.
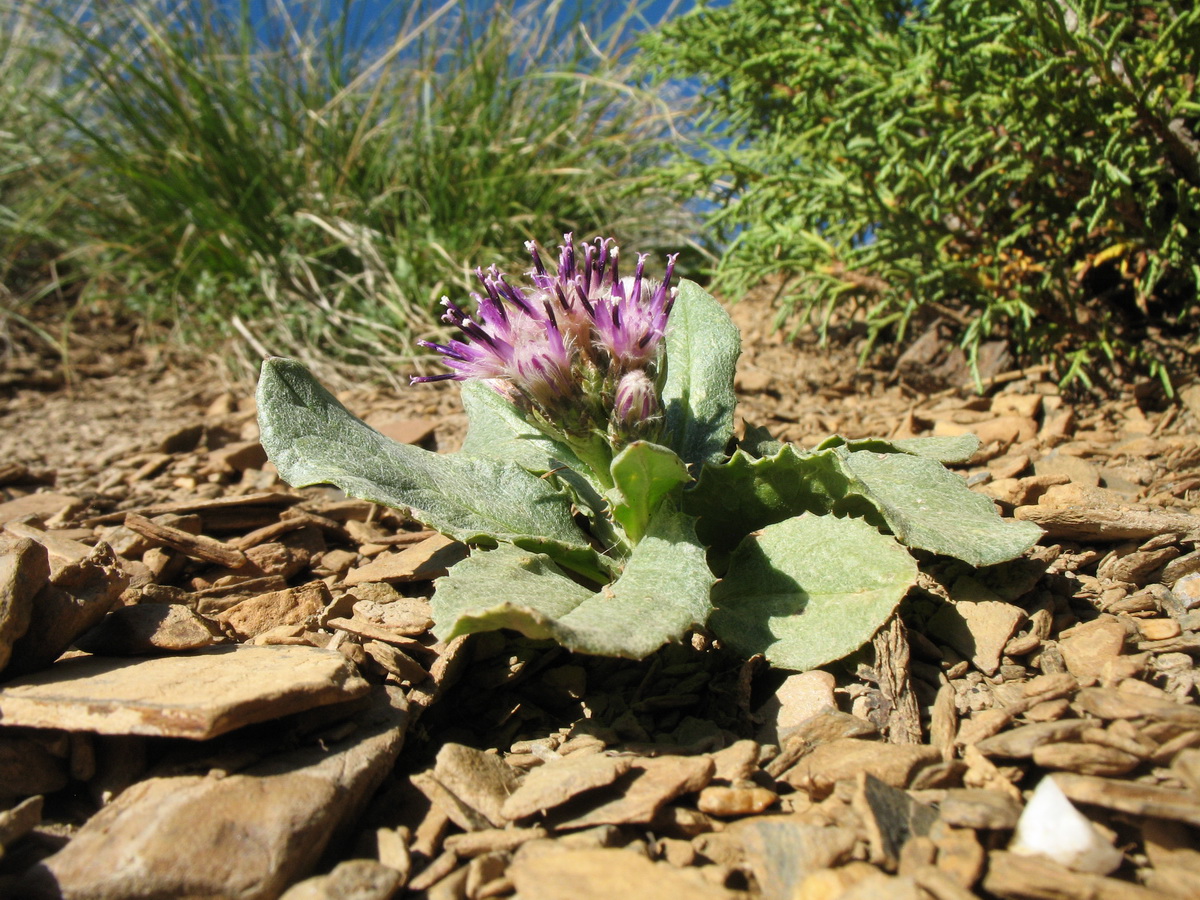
x: 945, y: 449
x: 663, y: 591
x: 496, y: 430
x: 928, y: 507
x: 312, y: 439
x: 702, y: 350
x: 744, y: 494
x: 810, y: 590
x: 643, y: 474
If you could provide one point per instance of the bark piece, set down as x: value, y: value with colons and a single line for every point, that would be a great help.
x: 195, y: 546
x: 1106, y: 523
x: 903, y: 722
x: 244, y: 836
x: 196, y: 696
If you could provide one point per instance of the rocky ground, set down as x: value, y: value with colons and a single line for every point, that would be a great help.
x: 215, y: 686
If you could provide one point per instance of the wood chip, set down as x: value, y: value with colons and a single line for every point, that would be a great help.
x: 196, y: 546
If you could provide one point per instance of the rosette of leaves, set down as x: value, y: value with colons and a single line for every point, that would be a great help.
x: 798, y: 555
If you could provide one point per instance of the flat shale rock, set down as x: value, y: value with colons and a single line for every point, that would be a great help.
x: 148, y: 629
x: 428, y: 559
x: 76, y: 597
x: 196, y: 696
x: 604, y: 874
x: 242, y: 837
x: 557, y: 781
x: 978, y: 629
x: 24, y: 570
x: 893, y: 764
x: 292, y: 606
x: 645, y: 789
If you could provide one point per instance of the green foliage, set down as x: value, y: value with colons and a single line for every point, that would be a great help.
x: 1031, y: 167
x: 812, y: 547
x: 323, y: 178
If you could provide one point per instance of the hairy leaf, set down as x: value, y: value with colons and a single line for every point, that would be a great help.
x: 312, y: 439
x: 810, y: 590
x: 663, y: 591
x: 702, y: 350
x: 643, y: 474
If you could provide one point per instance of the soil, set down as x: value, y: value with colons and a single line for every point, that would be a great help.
x: 1103, y: 611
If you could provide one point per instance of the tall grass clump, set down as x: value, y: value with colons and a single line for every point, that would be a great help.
x: 1027, y: 169
x: 311, y: 182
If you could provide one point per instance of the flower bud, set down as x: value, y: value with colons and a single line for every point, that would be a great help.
x: 636, y: 408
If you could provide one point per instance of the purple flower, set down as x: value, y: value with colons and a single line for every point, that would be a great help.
x: 580, y: 349
x: 636, y: 408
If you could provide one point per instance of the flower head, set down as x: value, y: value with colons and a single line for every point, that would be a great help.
x: 579, y: 349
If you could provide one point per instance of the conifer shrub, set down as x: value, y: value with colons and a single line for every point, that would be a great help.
x: 1028, y: 168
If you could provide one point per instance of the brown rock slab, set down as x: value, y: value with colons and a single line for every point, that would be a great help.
x: 977, y: 630
x: 243, y: 837
x: 603, y: 874
x: 147, y: 629
x: 1088, y: 647
x: 196, y: 696
x: 736, y: 762
x: 718, y: 800
x: 352, y: 879
x: 644, y: 790
x: 979, y: 809
x: 827, y: 764
x: 1019, y: 743
x: 76, y: 598
x: 1087, y: 759
x: 422, y: 562
x: 28, y: 768
x: 382, y: 605
x: 17, y: 822
x: 24, y: 571
x: 559, y: 780
x: 481, y: 780
x: 1015, y: 877
x: 292, y: 606
x: 781, y: 853
x: 41, y: 504
x: 800, y: 697
x: 891, y: 817
x: 1082, y: 522
x: 1132, y: 797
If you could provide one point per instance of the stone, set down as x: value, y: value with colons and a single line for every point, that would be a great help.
x: 351, y: 879
x: 481, y: 780
x: 1088, y: 647
x: 736, y: 762
x: 979, y: 809
x: 27, y: 767
x: 1011, y: 875
x: 603, y: 874
x: 404, y: 431
x: 829, y: 763
x: 398, y: 614
x: 17, y: 822
x: 301, y: 605
x: 1158, y: 629
x: 557, y: 781
x: 780, y: 852
x: 977, y: 630
x: 39, y: 505
x: 76, y: 598
x: 800, y: 697
x: 1077, y: 470
x: 1019, y: 743
x: 649, y: 785
x: 147, y: 629
x: 1132, y: 797
x: 1187, y: 590
x: 1088, y: 759
x: 492, y: 840
x: 1050, y: 826
x: 199, y: 696
x: 891, y: 817
x: 244, y: 836
x: 717, y: 800
x: 24, y: 571
x: 421, y: 562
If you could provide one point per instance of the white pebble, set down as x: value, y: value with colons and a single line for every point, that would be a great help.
x: 1050, y: 826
